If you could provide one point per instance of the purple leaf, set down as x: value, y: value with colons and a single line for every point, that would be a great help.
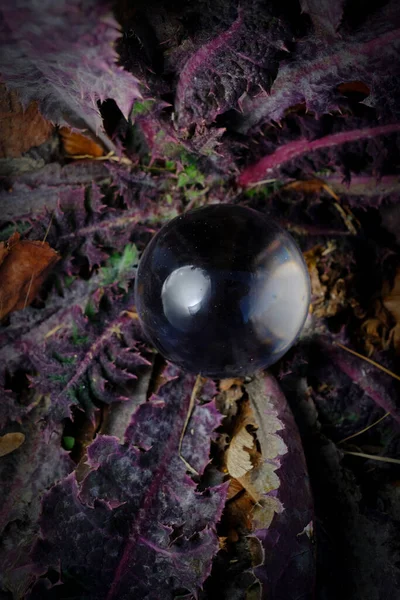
x: 316, y: 69
x: 61, y: 54
x: 325, y: 15
x: 224, y: 67
x: 136, y: 521
x: 25, y: 475
x: 78, y: 220
x: 368, y: 377
x: 199, y: 432
x: 195, y: 447
x: 33, y: 192
x: 83, y: 362
x: 355, y: 499
x: 114, y: 422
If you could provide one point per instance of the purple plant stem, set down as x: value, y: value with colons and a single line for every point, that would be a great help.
x: 284, y: 154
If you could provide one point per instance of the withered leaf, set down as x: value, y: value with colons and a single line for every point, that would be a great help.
x: 20, y: 129
x: 277, y: 513
x: 328, y: 287
x: 231, y: 392
x: 24, y: 265
x: 391, y: 301
x: 238, y: 461
x: 263, y: 479
x: 311, y: 186
x: 227, y: 384
x: 382, y: 328
x: 10, y: 442
x: 264, y: 504
x: 253, y: 468
x: 77, y: 144
x: 238, y: 458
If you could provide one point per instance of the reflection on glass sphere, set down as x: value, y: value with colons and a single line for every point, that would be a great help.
x: 222, y: 291
x: 185, y: 291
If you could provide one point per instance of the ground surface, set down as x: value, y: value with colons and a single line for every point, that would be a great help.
x: 293, y: 113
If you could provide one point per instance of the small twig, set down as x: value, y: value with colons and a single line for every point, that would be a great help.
x: 330, y: 191
x: 48, y: 228
x: 395, y: 461
x: 369, y: 360
x: 132, y: 314
x: 53, y: 331
x: 197, y: 386
x: 110, y: 156
x: 350, y: 437
x: 346, y: 218
x: 28, y: 292
x: 262, y: 182
x: 153, y: 169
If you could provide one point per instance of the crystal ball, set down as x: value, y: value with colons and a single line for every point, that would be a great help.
x: 222, y: 291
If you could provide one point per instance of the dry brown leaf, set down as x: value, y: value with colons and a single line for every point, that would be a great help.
x: 376, y: 329
x: 231, y: 390
x: 316, y: 186
x: 227, y: 384
x: 24, y: 265
x: 238, y: 454
x: 235, y: 487
x: 256, y: 549
x: 10, y: 442
x: 76, y: 144
x: 260, y: 481
x: 263, y: 478
x: 229, y: 398
x: 328, y: 289
x: 391, y: 301
x: 4, y: 249
x: 249, y: 503
x: 239, y: 515
x: 354, y: 86
x: 311, y: 186
x: 382, y: 328
x: 264, y: 512
x: 222, y: 542
x: 317, y: 288
x: 20, y: 129
x: 238, y: 457
x: 256, y: 508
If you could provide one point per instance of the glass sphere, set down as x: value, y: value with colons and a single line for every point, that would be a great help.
x: 222, y: 291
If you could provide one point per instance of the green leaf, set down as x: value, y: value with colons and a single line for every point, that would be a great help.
x: 68, y: 442
x: 119, y: 267
x: 78, y: 339
x: 7, y: 232
x: 90, y: 310
x: 190, y: 176
x: 170, y: 165
x: 64, y: 360
x: 142, y: 107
